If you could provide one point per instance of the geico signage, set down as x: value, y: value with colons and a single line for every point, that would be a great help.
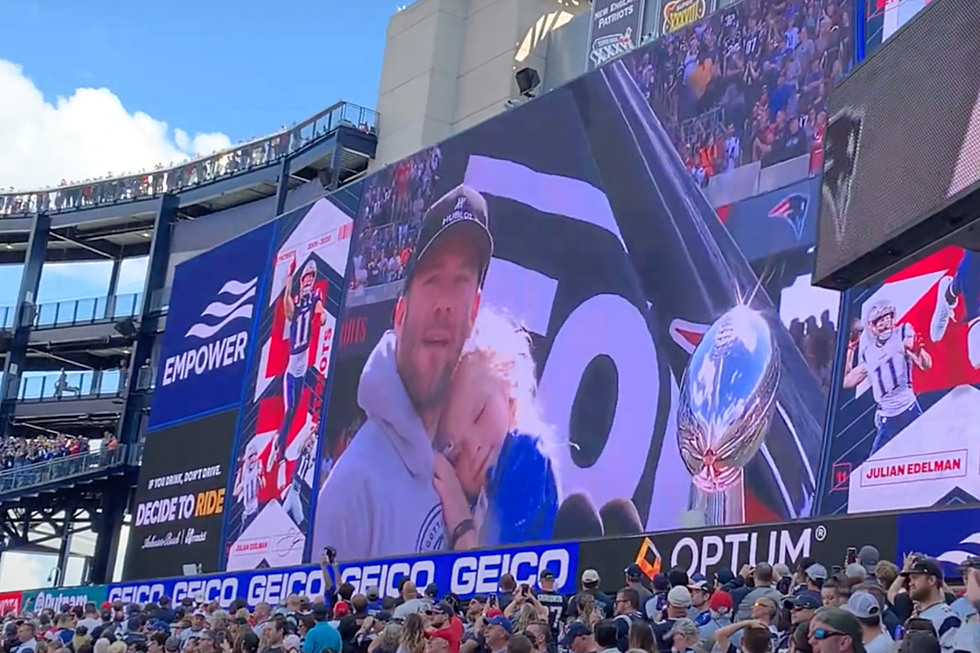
x: 705, y: 553
x: 255, y: 588
x: 187, y: 506
x: 469, y: 574
x: 464, y: 575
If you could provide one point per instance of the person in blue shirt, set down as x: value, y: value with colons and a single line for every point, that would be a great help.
x: 322, y: 637
x: 494, y: 473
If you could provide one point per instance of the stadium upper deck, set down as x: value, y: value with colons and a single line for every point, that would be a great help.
x: 104, y: 346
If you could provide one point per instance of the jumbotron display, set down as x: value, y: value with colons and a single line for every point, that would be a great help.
x: 539, y: 330
x: 893, y: 161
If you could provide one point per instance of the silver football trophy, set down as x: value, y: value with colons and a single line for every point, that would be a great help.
x: 727, y: 397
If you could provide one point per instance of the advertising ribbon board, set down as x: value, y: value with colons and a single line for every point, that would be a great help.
x: 463, y: 574
x: 707, y: 550
x: 57, y: 597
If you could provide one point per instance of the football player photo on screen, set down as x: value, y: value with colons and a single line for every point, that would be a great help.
x: 909, y: 390
x: 279, y: 429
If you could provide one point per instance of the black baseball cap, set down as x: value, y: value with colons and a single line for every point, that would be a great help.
x: 927, y: 566
x: 547, y: 574
x: 461, y: 209
x: 633, y: 572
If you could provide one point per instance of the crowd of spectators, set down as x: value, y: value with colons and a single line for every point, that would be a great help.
x: 864, y: 606
x: 818, y: 342
x: 19, y: 452
x: 113, y: 187
x: 750, y: 83
x: 391, y: 216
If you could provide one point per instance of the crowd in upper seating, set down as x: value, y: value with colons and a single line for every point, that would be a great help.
x: 818, y: 343
x: 18, y: 452
x: 391, y: 215
x: 750, y: 83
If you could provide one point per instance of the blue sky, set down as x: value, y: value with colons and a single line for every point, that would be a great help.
x: 226, y: 70
x: 241, y: 68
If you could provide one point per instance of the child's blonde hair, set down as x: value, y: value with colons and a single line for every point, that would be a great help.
x: 503, y: 343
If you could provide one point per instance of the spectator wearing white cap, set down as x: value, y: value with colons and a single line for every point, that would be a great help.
x: 590, y: 585
x: 198, y: 624
x: 678, y: 605
x: 867, y: 611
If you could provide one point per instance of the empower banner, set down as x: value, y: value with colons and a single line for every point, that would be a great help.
x: 464, y: 574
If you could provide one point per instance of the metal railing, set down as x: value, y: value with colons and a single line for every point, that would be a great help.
x: 73, y: 385
x: 237, y: 160
x: 23, y: 477
x: 90, y: 310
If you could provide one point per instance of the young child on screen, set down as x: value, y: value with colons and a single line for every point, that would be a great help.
x: 493, y: 461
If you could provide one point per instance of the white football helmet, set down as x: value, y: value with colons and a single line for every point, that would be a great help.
x: 881, y: 320
x: 308, y: 278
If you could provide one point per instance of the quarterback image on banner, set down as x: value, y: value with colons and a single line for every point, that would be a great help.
x: 908, y: 390
x: 278, y: 435
x: 536, y: 377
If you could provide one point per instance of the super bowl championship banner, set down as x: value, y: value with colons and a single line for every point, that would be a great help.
x: 616, y: 28
x: 707, y: 550
x: 463, y: 574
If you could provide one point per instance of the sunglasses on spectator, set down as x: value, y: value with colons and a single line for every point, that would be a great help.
x: 821, y: 634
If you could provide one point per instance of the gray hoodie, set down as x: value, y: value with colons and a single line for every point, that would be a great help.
x: 378, y: 500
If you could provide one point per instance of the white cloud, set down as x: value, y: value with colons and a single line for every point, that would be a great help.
x: 86, y: 135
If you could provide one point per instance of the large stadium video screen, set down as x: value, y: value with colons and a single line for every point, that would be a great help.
x: 902, y: 141
x: 902, y: 432
x: 541, y: 329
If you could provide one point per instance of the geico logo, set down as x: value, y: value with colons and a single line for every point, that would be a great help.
x: 205, y: 358
x: 137, y: 593
x: 222, y: 590
x: 386, y: 576
x: 272, y: 588
x: 209, y: 502
x: 481, y: 574
x: 735, y: 549
x: 55, y: 601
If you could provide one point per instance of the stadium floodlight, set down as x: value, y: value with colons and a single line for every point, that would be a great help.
x: 528, y: 80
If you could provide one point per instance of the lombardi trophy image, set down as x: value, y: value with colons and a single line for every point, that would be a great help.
x: 749, y: 410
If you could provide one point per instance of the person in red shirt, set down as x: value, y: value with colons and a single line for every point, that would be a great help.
x: 445, y: 625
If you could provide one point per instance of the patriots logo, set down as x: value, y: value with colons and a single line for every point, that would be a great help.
x: 842, y: 142
x: 792, y: 209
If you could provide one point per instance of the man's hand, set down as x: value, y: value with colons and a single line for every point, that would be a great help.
x: 455, y: 505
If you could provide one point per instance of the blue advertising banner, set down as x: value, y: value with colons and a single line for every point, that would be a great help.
x: 950, y: 536
x: 465, y: 574
x: 776, y: 222
x: 209, y: 325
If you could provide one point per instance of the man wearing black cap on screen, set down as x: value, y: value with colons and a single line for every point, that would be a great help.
x: 379, y: 499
